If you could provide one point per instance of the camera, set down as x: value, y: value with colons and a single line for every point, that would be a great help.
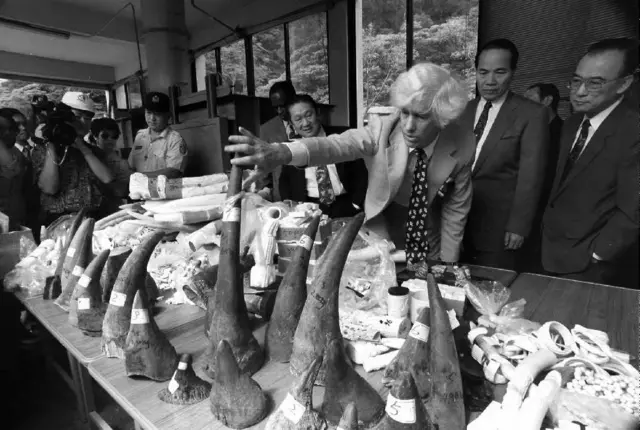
x: 58, y: 128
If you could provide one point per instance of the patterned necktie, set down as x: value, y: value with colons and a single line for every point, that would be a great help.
x: 26, y: 153
x: 482, y: 121
x: 416, y: 245
x: 325, y: 189
x: 577, y: 148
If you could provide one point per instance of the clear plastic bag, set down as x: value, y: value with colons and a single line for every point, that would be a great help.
x: 488, y: 297
x: 30, y: 274
x: 368, y: 273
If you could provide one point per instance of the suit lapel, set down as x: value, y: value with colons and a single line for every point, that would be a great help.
x: 500, y: 125
x: 594, y: 146
x: 441, y: 165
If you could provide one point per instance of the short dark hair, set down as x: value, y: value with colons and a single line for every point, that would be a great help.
x: 627, y: 46
x: 547, y: 90
x: 8, y: 113
x: 303, y: 98
x: 285, y: 86
x: 101, y: 124
x: 505, y: 44
x: 14, y: 111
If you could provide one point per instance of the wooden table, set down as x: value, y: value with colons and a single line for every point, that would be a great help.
x: 139, y: 397
x: 82, y: 350
x: 506, y: 277
x: 613, y: 310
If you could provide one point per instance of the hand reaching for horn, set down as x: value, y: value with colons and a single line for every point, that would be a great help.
x: 253, y: 151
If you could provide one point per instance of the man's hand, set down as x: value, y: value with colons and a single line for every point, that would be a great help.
x: 80, y: 146
x: 253, y: 151
x: 513, y: 241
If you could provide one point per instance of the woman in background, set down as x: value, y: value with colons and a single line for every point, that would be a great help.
x: 104, y: 134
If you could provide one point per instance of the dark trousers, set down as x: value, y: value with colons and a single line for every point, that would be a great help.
x: 601, y: 272
x: 505, y: 259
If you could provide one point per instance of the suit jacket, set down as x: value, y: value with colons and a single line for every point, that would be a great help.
x: 273, y: 131
x: 595, y: 209
x: 381, y: 145
x: 509, y: 172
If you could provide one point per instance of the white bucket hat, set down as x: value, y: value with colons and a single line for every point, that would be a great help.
x: 78, y: 100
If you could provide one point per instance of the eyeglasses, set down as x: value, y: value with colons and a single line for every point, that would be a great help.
x: 590, y: 84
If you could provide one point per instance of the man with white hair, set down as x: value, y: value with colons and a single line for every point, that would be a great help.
x: 419, y: 162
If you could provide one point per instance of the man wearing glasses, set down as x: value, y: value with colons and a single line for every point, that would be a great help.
x: 591, y: 219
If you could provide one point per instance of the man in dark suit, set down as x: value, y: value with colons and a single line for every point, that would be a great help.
x: 549, y: 96
x: 418, y: 161
x: 512, y: 136
x: 278, y: 129
x: 347, y: 182
x: 591, y: 219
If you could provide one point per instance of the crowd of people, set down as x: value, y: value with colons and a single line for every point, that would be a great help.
x: 64, y: 159
x: 498, y: 181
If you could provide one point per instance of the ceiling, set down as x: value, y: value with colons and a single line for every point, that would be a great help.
x: 115, y: 46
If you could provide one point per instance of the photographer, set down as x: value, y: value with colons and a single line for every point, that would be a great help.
x: 68, y: 172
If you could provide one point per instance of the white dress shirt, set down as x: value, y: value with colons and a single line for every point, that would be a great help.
x: 312, y: 182
x: 493, y: 114
x: 594, y: 123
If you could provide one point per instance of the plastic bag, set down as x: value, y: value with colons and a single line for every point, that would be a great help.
x: 368, y: 273
x: 510, y: 320
x: 30, y: 274
x: 488, y: 297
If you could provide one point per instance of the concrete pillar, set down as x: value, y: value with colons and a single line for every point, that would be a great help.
x: 166, y: 42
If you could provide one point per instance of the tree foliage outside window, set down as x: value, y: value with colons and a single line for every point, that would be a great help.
x: 310, y: 57
x: 445, y: 33
x: 234, y: 69
x: 269, y: 59
x: 18, y: 95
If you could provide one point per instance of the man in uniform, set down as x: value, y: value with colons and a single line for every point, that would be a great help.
x: 158, y: 150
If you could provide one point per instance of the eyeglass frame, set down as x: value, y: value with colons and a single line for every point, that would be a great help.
x: 588, y: 83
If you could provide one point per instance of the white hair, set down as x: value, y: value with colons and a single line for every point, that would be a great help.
x: 429, y: 88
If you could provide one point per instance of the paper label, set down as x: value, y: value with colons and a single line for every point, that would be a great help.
x: 173, y: 384
x: 477, y: 353
x: 84, y: 281
x: 117, y: 299
x: 402, y: 411
x: 182, y: 366
x: 292, y: 409
x: 84, y: 303
x: 231, y: 214
x: 71, y: 252
x: 77, y: 271
x: 419, y: 331
x: 453, y: 320
x: 139, y: 316
x: 489, y: 418
x: 306, y: 242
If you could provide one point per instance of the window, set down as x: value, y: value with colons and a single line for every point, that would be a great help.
x: 135, y: 94
x: 234, y: 70
x: 446, y: 33
x: 384, y: 48
x: 121, y: 97
x: 269, y: 59
x: 309, y: 56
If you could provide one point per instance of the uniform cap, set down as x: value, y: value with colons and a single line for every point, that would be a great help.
x: 157, y: 102
x: 78, y: 100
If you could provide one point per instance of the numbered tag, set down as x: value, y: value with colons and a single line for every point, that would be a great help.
x: 139, y: 316
x: 71, y: 252
x: 402, y: 411
x: 84, y: 303
x: 231, y: 214
x: 84, y: 281
x: 419, y: 331
x: 182, y: 366
x: 292, y: 409
x: 173, y: 384
x: 453, y: 320
x: 117, y: 299
x: 306, y: 242
x: 77, y: 271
